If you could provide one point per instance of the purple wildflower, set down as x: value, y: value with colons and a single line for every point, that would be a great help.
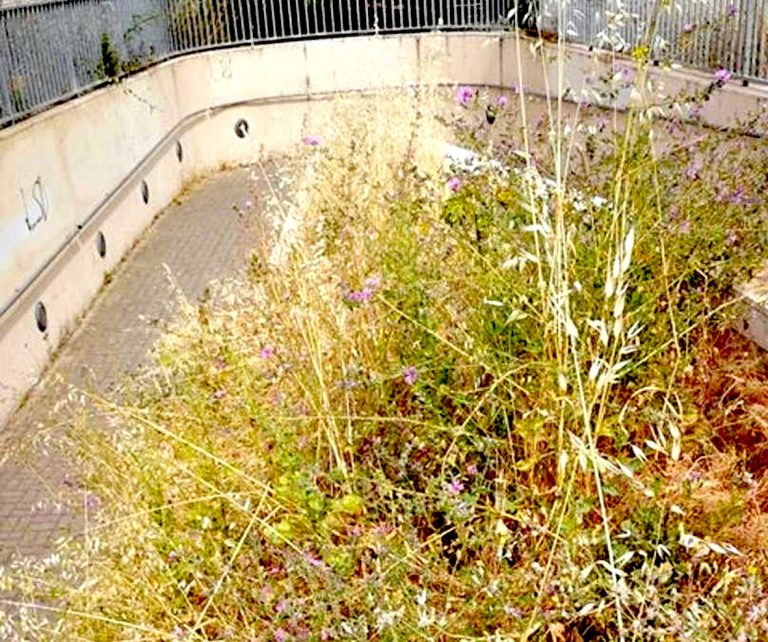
x: 281, y: 606
x: 281, y: 635
x: 472, y: 470
x: 313, y: 140
x: 267, y: 352
x: 314, y: 560
x: 684, y: 227
x: 688, y: 27
x: 694, y: 475
x: 247, y: 204
x: 383, y: 529
x: 731, y: 10
x: 692, y: 173
x: 502, y: 102
x: 92, y: 502
x: 739, y: 197
x: 722, y: 76
x: 410, y: 374
x: 360, y: 296
x: 464, y: 96
x: 373, y: 283
x: 454, y: 184
x: 454, y: 487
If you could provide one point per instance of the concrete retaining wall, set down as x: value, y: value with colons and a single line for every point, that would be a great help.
x: 77, y: 170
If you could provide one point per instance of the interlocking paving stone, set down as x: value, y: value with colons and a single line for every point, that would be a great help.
x: 199, y: 238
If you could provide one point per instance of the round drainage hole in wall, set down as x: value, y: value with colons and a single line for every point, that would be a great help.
x: 41, y: 316
x: 101, y: 244
x: 241, y: 128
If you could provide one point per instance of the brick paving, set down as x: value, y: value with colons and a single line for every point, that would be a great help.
x: 200, y: 238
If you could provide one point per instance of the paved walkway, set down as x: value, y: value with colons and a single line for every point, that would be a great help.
x: 200, y: 238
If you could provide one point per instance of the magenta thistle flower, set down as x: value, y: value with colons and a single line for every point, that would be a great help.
x: 281, y: 606
x: 464, y: 96
x: 692, y: 173
x: 454, y: 184
x: 281, y: 635
x: 360, y: 296
x: 502, y: 102
x: 267, y: 352
x: 722, y: 76
x: 410, y: 374
x: 313, y: 140
x: 92, y: 502
x: 454, y: 487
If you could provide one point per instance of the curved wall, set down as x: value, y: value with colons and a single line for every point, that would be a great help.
x: 78, y: 169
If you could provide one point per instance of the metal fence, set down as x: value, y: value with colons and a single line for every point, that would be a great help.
x: 55, y: 49
x: 52, y: 50
x: 728, y: 34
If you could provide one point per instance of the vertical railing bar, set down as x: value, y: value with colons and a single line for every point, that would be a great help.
x: 293, y: 16
x: 37, y: 75
x: 331, y: 6
x: 249, y: 23
x: 366, y: 14
x: 314, y: 15
x: 307, y: 25
x: 5, y: 90
x: 49, y: 71
x: 62, y: 60
x: 240, y: 23
x: 28, y: 62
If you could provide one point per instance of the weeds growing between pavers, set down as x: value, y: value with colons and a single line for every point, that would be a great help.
x: 449, y: 405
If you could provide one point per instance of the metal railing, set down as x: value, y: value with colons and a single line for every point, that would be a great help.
x: 711, y: 34
x: 55, y: 49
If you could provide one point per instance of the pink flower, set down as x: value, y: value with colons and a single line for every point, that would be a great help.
x: 502, y: 102
x: 472, y: 470
x: 722, y: 76
x: 410, y: 374
x: 454, y: 184
x: 360, y: 296
x: 313, y: 140
x: 692, y: 173
x: 267, y: 352
x: 315, y: 561
x: 454, y: 487
x: 281, y: 606
x: 281, y: 635
x: 464, y: 96
x: 373, y: 283
x: 688, y: 27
